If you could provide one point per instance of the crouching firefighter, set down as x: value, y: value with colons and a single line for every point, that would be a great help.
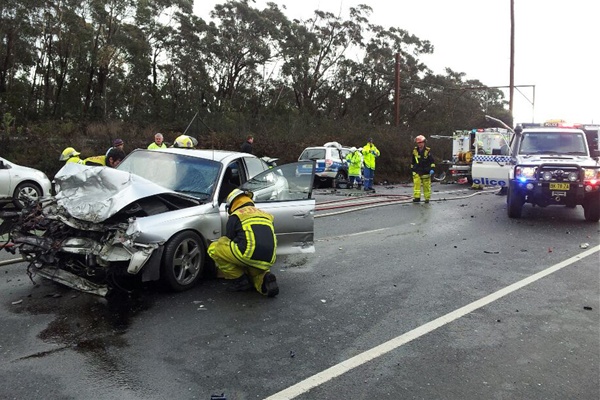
x: 247, y: 251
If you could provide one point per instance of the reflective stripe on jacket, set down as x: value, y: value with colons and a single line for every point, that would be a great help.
x: 422, y: 162
x: 252, y: 237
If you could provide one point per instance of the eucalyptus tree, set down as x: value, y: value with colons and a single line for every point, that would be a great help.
x: 314, y: 50
x: 19, y: 30
x: 240, y: 42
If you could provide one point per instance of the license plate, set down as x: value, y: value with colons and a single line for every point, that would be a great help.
x: 559, y: 186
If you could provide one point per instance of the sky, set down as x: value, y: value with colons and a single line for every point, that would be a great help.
x: 557, y: 46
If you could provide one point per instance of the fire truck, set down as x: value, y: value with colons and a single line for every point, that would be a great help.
x: 474, y: 146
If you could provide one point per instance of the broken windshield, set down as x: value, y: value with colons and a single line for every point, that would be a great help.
x: 181, y: 173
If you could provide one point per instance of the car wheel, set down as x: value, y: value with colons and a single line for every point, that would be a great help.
x: 183, y: 260
x: 514, y: 202
x: 440, y: 177
x: 340, y: 181
x: 591, y: 209
x: 26, y: 192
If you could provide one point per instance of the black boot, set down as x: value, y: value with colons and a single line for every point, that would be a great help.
x: 240, y: 284
x: 269, y: 286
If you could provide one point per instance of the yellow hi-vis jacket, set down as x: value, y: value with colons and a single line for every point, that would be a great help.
x: 370, y: 153
x: 252, y: 235
x: 95, y: 160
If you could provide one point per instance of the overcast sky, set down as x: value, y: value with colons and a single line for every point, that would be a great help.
x: 557, y: 45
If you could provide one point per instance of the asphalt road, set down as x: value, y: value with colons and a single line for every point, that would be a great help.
x: 449, y: 300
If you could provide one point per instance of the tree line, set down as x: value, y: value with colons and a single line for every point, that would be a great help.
x: 242, y: 69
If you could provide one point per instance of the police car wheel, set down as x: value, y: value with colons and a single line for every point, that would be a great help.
x: 591, y: 209
x: 514, y: 202
x: 340, y: 182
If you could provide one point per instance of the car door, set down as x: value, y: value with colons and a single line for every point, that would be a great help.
x: 5, y: 179
x: 491, y: 161
x: 287, y: 195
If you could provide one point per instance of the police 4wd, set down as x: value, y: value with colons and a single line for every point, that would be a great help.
x: 549, y: 164
x: 331, y: 168
x: 553, y: 165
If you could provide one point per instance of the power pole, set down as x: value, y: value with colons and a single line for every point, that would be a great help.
x: 512, y: 57
x: 397, y: 91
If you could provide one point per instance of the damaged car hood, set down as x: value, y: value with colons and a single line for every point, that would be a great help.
x: 94, y: 194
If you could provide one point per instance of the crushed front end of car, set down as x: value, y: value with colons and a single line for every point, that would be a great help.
x: 85, y: 237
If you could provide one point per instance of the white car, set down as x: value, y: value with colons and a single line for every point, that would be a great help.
x: 20, y: 184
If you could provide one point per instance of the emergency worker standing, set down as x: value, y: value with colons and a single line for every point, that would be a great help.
x: 247, y: 251
x: 355, y: 161
x: 422, y: 167
x: 370, y: 153
x: 158, y: 142
x: 70, y: 155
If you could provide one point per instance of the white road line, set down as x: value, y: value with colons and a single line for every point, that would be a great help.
x: 351, y: 234
x: 384, y: 348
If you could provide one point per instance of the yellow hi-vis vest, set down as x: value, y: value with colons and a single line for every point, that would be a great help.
x: 260, y: 244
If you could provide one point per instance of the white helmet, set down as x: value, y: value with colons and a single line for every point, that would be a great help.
x: 420, y: 138
x: 353, y: 149
x: 236, y: 198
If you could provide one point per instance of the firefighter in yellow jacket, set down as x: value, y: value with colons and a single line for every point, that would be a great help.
x: 422, y: 166
x: 247, y: 251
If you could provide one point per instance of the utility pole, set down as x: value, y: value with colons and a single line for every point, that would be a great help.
x: 512, y: 57
x: 397, y: 91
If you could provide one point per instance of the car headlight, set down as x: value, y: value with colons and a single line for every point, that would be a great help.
x: 591, y: 174
x: 524, y: 173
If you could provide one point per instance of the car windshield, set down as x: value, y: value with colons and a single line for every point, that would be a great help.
x: 553, y: 143
x: 313, y: 154
x: 184, y: 174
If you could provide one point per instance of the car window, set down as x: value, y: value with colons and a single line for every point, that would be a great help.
x: 255, y: 166
x: 280, y: 183
x: 313, y: 154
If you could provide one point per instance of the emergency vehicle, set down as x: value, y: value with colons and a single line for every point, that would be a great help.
x: 475, y: 146
x: 552, y: 163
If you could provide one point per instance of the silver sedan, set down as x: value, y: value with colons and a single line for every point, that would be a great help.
x: 154, y: 216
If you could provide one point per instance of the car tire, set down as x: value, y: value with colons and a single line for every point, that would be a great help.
x: 28, y: 190
x: 440, y: 177
x: 591, y: 209
x: 340, y: 181
x: 514, y: 201
x: 183, y: 261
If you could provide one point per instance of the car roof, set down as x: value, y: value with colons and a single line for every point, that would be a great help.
x: 552, y: 129
x: 223, y: 156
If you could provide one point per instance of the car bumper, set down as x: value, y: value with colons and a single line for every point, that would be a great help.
x: 542, y: 194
